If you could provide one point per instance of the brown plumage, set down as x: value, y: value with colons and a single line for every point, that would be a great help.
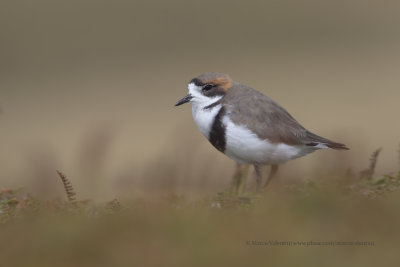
x: 260, y: 114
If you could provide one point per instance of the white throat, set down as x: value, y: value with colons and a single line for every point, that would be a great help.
x: 204, y: 118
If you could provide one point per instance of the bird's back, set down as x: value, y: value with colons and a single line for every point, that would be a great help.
x: 269, y: 120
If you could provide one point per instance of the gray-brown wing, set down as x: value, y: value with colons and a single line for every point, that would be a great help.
x: 269, y: 120
x: 264, y: 116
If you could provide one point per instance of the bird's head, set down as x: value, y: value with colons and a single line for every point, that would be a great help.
x: 206, y: 89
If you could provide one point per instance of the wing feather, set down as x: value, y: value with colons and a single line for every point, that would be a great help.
x: 269, y: 120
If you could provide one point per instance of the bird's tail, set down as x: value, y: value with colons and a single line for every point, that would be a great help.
x: 338, y: 146
x: 321, y: 142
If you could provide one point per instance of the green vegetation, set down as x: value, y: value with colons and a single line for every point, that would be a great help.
x: 349, y: 221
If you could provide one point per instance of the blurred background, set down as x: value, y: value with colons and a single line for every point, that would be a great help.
x: 88, y: 87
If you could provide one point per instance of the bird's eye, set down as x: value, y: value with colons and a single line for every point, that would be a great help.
x: 208, y: 86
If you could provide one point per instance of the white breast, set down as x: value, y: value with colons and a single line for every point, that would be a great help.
x: 204, y: 118
x: 244, y: 146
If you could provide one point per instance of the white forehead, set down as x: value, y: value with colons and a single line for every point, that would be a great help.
x: 195, y: 91
x: 194, y: 88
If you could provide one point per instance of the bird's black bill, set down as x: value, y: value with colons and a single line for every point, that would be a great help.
x: 184, y: 100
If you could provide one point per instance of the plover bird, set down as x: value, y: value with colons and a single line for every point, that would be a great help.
x: 247, y: 126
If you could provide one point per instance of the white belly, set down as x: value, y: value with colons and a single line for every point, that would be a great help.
x: 243, y: 146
